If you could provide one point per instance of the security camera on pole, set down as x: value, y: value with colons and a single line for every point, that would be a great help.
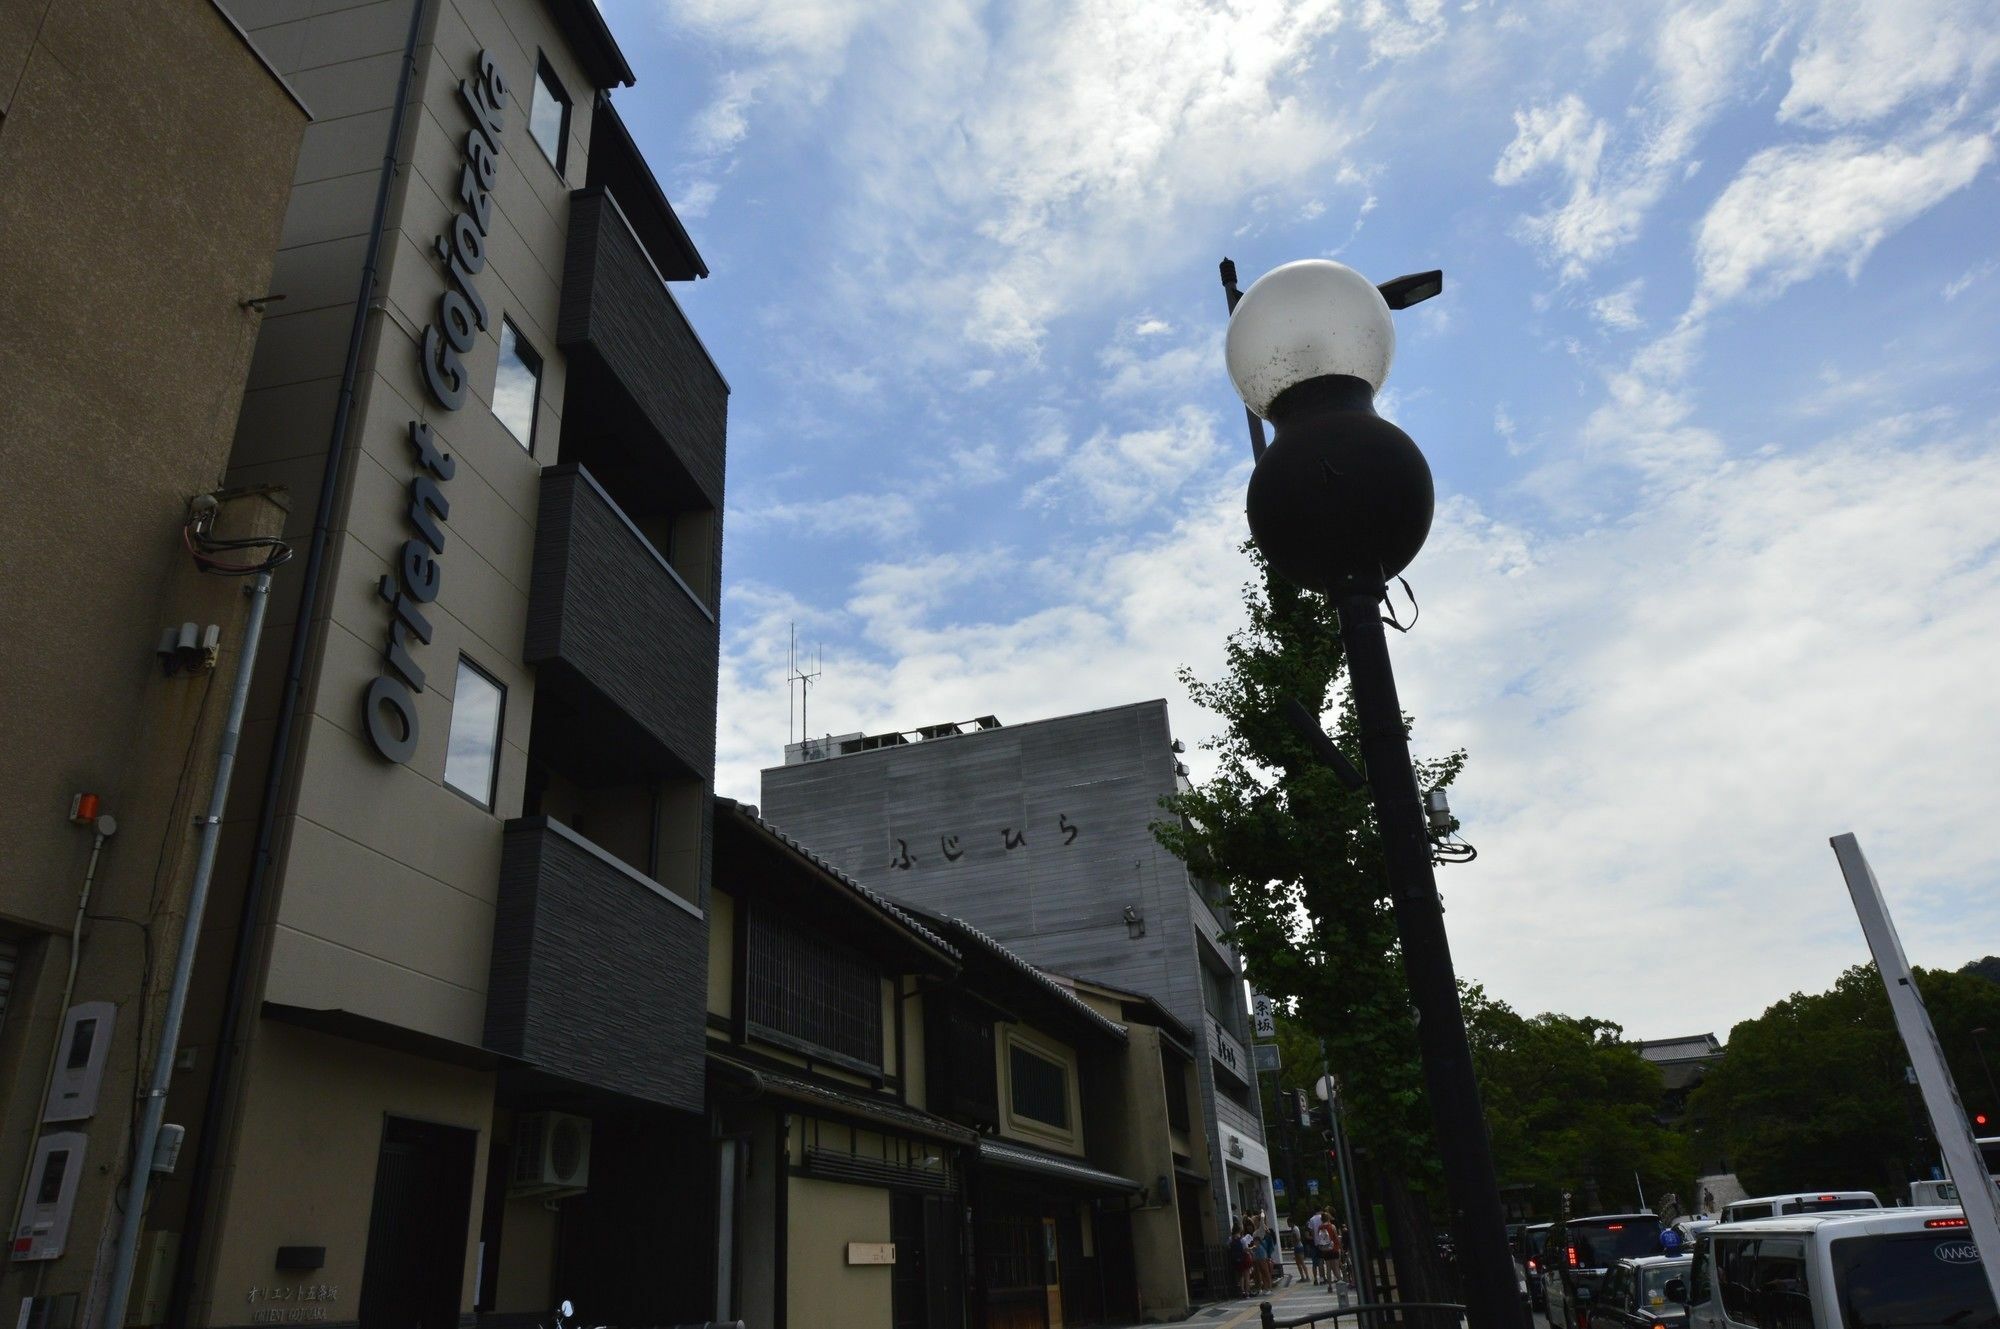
x: 1340, y: 502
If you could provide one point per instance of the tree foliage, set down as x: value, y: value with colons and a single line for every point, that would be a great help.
x: 1301, y: 859
x: 1571, y: 1107
x: 1813, y: 1093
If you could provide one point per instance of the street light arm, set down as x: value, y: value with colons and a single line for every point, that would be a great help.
x: 1325, y: 751
x: 1413, y: 289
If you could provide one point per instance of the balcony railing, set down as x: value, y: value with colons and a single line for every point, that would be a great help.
x: 599, y: 973
x: 610, y: 619
x: 636, y: 365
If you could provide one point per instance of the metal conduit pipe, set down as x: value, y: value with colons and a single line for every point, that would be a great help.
x: 207, y: 1146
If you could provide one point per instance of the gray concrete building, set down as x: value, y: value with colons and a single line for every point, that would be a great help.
x: 1039, y: 834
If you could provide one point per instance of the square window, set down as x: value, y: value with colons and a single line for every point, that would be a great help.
x: 517, y: 385
x: 548, y: 115
x: 472, y: 755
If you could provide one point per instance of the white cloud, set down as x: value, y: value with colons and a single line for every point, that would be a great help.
x: 1860, y: 60
x: 1794, y: 211
x: 1668, y: 715
x: 1699, y: 55
x: 1966, y: 280
x: 1106, y: 623
x: 883, y: 515
x: 1129, y: 474
x: 1619, y: 310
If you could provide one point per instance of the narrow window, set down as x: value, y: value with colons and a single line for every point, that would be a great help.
x: 472, y: 757
x: 517, y: 387
x: 548, y: 115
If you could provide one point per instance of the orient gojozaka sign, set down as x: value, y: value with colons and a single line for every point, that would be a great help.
x: 390, y: 702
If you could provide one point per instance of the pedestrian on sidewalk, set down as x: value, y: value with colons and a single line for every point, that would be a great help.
x: 1239, y: 1254
x: 1326, y: 1248
x: 1301, y: 1243
x: 1273, y: 1266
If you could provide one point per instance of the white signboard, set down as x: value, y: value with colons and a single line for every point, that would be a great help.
x: 1949, y: 1126
x: 1264, y: 1016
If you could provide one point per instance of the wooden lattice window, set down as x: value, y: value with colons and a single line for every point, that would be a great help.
x: 806, y: 989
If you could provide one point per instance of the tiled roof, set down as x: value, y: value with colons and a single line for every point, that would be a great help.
x: 967, y: 932
x: 881, y: 902
x: 1678, y: 1049
x: 1020, y: 1158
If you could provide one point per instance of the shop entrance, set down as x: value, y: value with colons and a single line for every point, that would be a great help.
x: 415, y: 1266
x: 927, y: 1290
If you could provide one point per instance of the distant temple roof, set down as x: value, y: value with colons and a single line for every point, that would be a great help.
x: 1690, y: 1047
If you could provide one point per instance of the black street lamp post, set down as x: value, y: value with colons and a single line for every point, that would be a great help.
x: 1979, y: 1046
x: 1339, y: 503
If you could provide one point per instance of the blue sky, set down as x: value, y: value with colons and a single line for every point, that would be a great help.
x: 1709, y: 397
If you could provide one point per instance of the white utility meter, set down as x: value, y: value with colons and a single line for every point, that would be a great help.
x: 43, y: 1227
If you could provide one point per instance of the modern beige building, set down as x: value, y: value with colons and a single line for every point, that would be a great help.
x: 443, y: 1057
x: 138, y: 214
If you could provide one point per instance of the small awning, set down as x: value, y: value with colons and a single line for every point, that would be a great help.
x: 1052, y: 1167
x: 848, y: 1105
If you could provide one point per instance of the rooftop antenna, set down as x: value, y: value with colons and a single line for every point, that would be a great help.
x: 805, y: 681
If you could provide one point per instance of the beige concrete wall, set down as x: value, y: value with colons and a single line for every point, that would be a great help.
x: 821, y: 1288
x: 388, y: 877
x: 304, y: 1162
x: 721, y: 953
x: 144, y: 157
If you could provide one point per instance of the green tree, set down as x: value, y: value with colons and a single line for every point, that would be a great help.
x: 1813, y: 1093
x: 1572, y: 1107
x: 1300, y: 856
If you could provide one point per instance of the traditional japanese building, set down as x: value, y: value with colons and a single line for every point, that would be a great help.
x: 1040, y: 835
x: 914, y: 1126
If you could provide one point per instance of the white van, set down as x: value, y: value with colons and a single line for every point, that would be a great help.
x: 1775, y: 1206
x: 1840, y: 1271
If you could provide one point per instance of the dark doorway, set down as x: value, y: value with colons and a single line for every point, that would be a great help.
x: 415, y: 1266
x: 928, y: 1286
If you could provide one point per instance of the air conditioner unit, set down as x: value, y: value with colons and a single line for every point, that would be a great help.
x: 551, y: 1155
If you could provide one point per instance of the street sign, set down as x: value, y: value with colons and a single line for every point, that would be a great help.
x: 1278, y: 1185
x: 1312, y: 1185
x: 1949, y: 1124
x: 1265, y: 1056
x: 1264, y: 1016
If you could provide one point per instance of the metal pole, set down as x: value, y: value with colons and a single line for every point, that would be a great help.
x: 1492, y: 1297
x: 1979, y: 1046
x: 154, y: 1103
x: 1232, y: 295
x: 1364, y: 1282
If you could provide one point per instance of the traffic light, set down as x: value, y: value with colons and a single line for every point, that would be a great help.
x: 1979, y: 1120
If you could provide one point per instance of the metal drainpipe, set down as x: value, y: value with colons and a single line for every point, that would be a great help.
x: 155, y: 1098
x: 207, y: 1146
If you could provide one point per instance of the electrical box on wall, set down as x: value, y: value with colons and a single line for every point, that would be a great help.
x: 85, y: 1047
x: 43, y: 1226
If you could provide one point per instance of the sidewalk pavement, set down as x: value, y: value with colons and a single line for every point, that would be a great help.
x: 1286, y: 1303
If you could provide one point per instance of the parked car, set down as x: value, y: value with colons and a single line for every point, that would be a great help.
x: 1841, y: 1270
x: 1773, y: 1206
x: 1647, y: 1293
x: 1580, y: 1252
x: 1529, y: 1245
